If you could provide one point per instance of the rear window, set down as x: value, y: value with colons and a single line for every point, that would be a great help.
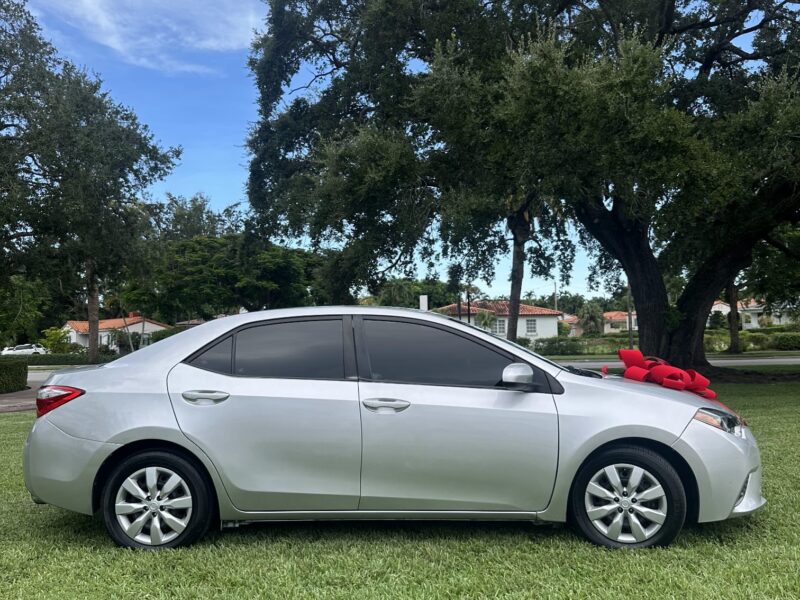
x: 217, y: 358
x: 290, y: 350
x: 293, y: 350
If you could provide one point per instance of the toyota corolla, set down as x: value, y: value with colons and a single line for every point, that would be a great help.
x: 375, y: 413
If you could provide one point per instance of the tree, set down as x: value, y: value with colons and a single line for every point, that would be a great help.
x: 56, y: 340
x: 353, y: 163
x: 400, y: 119
x: 639, y: 165
x: 591, y: 318
x: 485, y: 319
x: 73, y: 161
x: 21, y: 304
x: 101, y: 159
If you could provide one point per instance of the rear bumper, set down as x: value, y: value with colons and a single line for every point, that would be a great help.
x: 727, y: 469
x: 59, y: 468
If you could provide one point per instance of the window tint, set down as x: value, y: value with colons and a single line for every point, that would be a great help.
x: 300, y: 349
x: 411, y: 353
x: 217, y: 358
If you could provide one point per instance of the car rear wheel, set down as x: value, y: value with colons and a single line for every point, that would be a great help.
x: 628, y: 497
x: 156, y: 500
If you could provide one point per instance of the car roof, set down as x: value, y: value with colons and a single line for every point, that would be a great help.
x: 176, y: 348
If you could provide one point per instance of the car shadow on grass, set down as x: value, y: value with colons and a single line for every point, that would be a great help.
x: 64, y: 528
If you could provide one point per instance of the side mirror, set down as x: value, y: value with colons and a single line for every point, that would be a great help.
x: 519, y: 376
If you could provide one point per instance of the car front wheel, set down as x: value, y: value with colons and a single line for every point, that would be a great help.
x: 628, y: 497
x: 156, y: 500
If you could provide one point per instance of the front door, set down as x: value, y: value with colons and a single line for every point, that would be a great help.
x: 438, y: 431
x: 272, y: 406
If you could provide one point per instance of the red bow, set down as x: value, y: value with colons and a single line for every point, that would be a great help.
x: 659, y: 371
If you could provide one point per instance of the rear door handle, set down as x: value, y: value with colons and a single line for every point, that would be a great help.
x: 385, y: 404
x: 205, y: 396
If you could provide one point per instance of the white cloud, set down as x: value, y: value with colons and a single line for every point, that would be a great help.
x: 165, y: 35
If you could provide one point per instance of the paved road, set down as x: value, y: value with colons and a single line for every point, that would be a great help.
x: 25, y: 399
x: 717, y: 362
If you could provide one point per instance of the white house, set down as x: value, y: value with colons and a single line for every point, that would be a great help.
x: 750, y: 311
x: 134, y: 323
x: 575, y: 326
x: 615, y: 321
x: 533, y: 321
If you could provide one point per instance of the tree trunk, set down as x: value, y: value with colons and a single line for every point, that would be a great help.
x: 733, y: 318
x: 93, y: 310
x: 628, y: 241
x: 695, y: 303
x: 520, y: 226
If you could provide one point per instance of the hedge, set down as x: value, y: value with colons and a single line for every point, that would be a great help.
x: 786, y: 341
x: 58, y: 359
x: 13, y: 375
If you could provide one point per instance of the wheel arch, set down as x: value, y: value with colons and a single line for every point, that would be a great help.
x: 687, y: 476
x: 138, y: 446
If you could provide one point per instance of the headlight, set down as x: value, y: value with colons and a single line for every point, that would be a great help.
x: 721, y: 420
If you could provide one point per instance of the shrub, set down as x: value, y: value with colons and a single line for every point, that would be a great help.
x: 557, y: 346
x: 13, y: 375
x: 56, y: 340
x: 786, y: 341
x: 563, y: 329
x: 755, y: 341
x: 157, y: 336
x: 716, y: 342
x: 524, y: 342
x: 58, y: 359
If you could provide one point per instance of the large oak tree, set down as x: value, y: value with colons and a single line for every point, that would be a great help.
x: 364, y: 161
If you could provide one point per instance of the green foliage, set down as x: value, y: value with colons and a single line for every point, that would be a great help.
x: 72, y: 358
x: 13, y: 375
x: 717, y: 320
x: 163, y: 334
x: 563, y: 329
x: 56, y: 340
x: 524, y: 342
x: 591, y: 318
x: 755, y: 340
x: 558, y: 346
x: 406, y: 292
x: 21, y: 304
x: 786, y: 341
x: 485, y: 319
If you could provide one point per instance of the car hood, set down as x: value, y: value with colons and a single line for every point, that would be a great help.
x: 643, y: 389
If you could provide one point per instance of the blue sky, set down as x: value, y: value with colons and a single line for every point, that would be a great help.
x: 181, y: 66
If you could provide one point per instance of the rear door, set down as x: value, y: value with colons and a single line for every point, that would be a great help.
x: 275, y: 407
x: 439, y: 432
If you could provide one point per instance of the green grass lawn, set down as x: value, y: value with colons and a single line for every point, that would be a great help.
x: 46, y: 552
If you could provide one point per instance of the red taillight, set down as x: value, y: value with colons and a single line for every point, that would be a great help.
x: 53, y: 396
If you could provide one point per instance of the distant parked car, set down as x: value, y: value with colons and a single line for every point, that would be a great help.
x: 26, y: 349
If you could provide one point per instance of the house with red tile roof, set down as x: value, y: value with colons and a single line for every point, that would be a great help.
x: 78, y: 331
x: 533, y: 321
x: 615, y: 321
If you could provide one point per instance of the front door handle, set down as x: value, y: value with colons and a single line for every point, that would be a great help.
x: 385, y: 404
x: 205, y: 397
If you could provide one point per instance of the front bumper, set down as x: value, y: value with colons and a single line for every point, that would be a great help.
x: 727, y: 469
x: 59, y: 468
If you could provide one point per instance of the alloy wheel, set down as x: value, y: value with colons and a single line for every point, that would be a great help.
x: 625, y: 503
x: 153, y: 506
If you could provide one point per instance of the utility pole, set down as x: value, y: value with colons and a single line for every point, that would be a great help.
x: 555, y: 294
x: 630, y: 318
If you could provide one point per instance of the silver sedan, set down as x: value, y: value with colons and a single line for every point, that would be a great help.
x: 376, y: 413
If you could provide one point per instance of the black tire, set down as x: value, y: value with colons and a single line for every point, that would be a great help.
x: 651, y: 462
x: 202, y: 511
